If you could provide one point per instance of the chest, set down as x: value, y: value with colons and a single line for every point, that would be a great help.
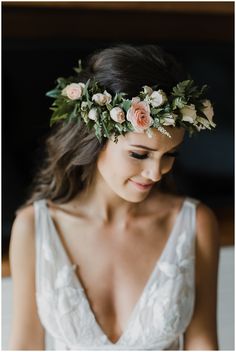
x: 114, y: 264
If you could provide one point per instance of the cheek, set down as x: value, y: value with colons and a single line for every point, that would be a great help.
x: 167, y: 165
x: 115, y: 167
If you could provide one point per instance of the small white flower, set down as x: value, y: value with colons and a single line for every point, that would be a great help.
x: 93, y: 114
x: 102, y: 99
x: 84, y: 105
x: 117, y: 114
x: 147, y: 90
x: 189, y: 113
x: 169, y: 120
x: 73, y: 91
x: 157, y: 98
x: 163, y: 131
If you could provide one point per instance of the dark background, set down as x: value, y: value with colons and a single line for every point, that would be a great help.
x: 42, y: 41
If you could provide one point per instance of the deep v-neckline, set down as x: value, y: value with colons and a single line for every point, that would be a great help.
x: 147, y: 284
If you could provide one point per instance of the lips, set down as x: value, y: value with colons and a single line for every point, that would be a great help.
x: 142, y: 186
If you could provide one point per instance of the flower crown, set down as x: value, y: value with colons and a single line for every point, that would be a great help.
x: 115, y: 115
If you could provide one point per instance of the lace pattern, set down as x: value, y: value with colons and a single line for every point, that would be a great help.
x: 161, y: 315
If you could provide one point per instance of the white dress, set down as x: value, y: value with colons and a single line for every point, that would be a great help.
x: 159, y: 318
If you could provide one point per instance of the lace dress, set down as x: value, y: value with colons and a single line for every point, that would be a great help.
x: 159, y: 318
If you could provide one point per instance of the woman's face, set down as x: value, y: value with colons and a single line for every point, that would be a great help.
x: 132, y: 166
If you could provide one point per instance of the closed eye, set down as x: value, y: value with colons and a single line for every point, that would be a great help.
x: 138, y: 156
x: 145, y: 156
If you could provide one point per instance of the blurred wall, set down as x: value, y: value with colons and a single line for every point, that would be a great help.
x: 44, y: 40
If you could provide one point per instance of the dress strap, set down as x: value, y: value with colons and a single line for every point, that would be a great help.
x: 47, y: 251
x: 190, y: 214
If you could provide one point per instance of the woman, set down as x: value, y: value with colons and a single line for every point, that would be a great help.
x: 104, y: 256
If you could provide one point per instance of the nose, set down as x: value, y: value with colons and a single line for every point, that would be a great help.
x: 153, y: 172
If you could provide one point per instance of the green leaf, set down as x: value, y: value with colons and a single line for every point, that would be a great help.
x: 56, y: 118
x: 62, y: 82
x: 73, y: 113
x: 79, y: 68
x: 109, y: 107
x: 155, y: 111
x: 126, y: 105
x: 54, y: 93
x: 105, y: 115
x: 178, y: 102
x: 119, y: 127
x: 180, y: 89
x: 98, y: 132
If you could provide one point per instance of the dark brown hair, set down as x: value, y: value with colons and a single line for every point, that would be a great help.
x: 72, y: 149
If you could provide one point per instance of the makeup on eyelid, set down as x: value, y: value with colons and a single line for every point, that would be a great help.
x: 145, y: 156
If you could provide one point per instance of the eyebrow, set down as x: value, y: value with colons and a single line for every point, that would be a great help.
x: 151, y: 149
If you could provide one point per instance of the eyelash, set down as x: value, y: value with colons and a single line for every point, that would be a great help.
x: 145, y: 156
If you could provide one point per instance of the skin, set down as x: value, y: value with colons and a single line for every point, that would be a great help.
x: 113, y: 216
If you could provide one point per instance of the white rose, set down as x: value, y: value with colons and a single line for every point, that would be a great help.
x: 189, y: 113
x: 147, y: 90
x: 117, y: 114
x: 102, y: 99
x: 73, y: 91
x: 93, y: 114
x: 169, y: 120
x: 208, y: 110
x: 157, y: 98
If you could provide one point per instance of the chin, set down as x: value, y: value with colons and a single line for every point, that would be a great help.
x: 134, y: 198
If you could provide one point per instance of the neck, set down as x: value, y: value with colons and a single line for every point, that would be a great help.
x: 106, y: 206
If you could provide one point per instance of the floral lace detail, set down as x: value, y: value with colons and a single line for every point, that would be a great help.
x: 47, y: 252
x: 159, y: 318
x: 156, y: 305
x: 65, y: 276
x: 185, y: 262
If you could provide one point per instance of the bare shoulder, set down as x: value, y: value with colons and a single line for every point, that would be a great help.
x: 206, y: 225
x: 24, y: 218
x: 202, y: 331
x: 23, y: 233
x: 27, y: 332
x: 207, y: 245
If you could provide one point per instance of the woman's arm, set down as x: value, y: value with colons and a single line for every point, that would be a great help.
x: 27, y: 332
x: 202, y: 331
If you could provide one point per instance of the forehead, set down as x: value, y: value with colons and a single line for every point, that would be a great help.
x: 159, y: 141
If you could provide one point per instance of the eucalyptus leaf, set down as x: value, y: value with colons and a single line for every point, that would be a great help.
x: 126, y: 105
x: 57, y: 118
x: 54, y: 93
x: 79, y: 68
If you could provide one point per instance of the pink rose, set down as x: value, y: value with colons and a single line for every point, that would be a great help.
x: 73, y: 91
x: 139, y: 115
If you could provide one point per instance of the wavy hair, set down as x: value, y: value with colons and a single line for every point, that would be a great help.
x: 71, y: 148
